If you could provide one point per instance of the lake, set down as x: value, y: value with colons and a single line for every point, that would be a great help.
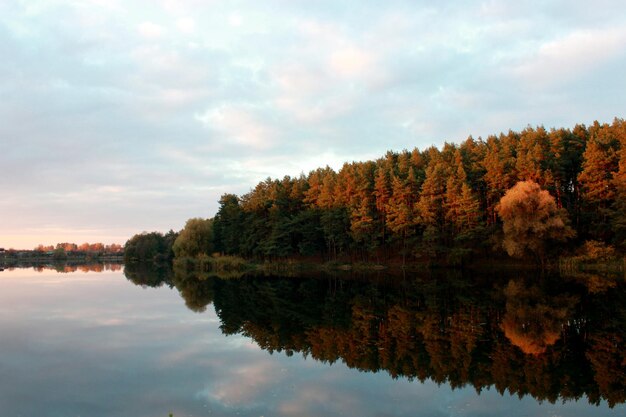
x: 146, y: 342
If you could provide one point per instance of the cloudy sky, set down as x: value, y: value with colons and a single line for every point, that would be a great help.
x: 123, y: 116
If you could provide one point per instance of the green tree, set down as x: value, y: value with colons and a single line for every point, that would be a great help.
x: 145, y: 247
x: 227, y: 225
x: 307, y: 227
x: 168, y: 243
x: 196, y: 238
x: 59, y: 253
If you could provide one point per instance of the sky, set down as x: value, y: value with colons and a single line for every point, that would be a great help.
x: 118, y: 117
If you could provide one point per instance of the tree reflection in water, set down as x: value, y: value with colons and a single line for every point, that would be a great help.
x: 550, y: 337
x: 534, y: 320
x: 67, y: 267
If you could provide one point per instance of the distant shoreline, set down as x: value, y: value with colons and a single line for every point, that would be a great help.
x: 41, y: 260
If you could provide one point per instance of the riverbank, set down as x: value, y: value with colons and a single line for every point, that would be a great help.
x: 51, y: 262
x: 234, y: 267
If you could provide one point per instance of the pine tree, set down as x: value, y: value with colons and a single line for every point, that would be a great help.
x: 227, y: 225
x: 327, y: 193
x: 619, y: 182
x: 500, y: 174
x: 430, y: 207
x: 531, y: 156
x: 401, y: 218
x: 462, y: 213
x: 452, y: 200
x: 382, y: 193
x: 362, y: 209
x: 600, y: 162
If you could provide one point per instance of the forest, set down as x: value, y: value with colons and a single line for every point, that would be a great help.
x: 534, y: 194
x: 537, y: 195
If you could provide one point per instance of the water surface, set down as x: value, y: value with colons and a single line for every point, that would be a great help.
x: 89, y: 343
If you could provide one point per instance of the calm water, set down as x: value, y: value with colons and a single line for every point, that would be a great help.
x: 89, y: 343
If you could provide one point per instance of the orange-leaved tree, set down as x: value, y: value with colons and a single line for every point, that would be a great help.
x: 531, y: 219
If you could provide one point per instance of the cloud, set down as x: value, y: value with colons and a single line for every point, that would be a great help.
x: 235, y: 19
x: 571, y: 56
x: 150, y: 30
x: 351, y: 62
x: 240, y: 124
x: 175, y: 102
x: 186, y: 25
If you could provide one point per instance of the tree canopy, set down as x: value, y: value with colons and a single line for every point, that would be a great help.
x: 530, y: 220
x: 195, y: 238
x: 443, y: 204
x: 153, y: 246
x: 448, y: 204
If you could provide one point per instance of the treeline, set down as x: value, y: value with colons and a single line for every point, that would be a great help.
x: 84, y: 247
x: 63, y: 252
x: 150, y: 247
x: 516, y: 193
x: 195, y: 239
x: 435, y: 203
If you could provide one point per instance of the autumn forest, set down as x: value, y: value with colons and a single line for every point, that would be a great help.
x: 514, y: 194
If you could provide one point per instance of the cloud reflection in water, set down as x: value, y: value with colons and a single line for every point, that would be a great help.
x: 96, y: 345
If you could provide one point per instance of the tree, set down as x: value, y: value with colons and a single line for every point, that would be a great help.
x: 362, y: 208
x: 533, y: 320
x: 168, y: 243
x: 382, y: 194
x: 401, y: 217
x: 195, y: 239
x: 59, y: 253
x: 619, y: 182
x: 596, y: 179
x: 532, y: 152
x: 499, y: 166
x: 144, y: 247
x: 430, y: 207
x: 530, y: 219
x: 227, y: 225
x: 434, y: 202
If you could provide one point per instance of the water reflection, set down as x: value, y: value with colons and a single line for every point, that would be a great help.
x: 534, y: 320
x: 149, y: 274
x: 64, y: 267
x: 547, y: 337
